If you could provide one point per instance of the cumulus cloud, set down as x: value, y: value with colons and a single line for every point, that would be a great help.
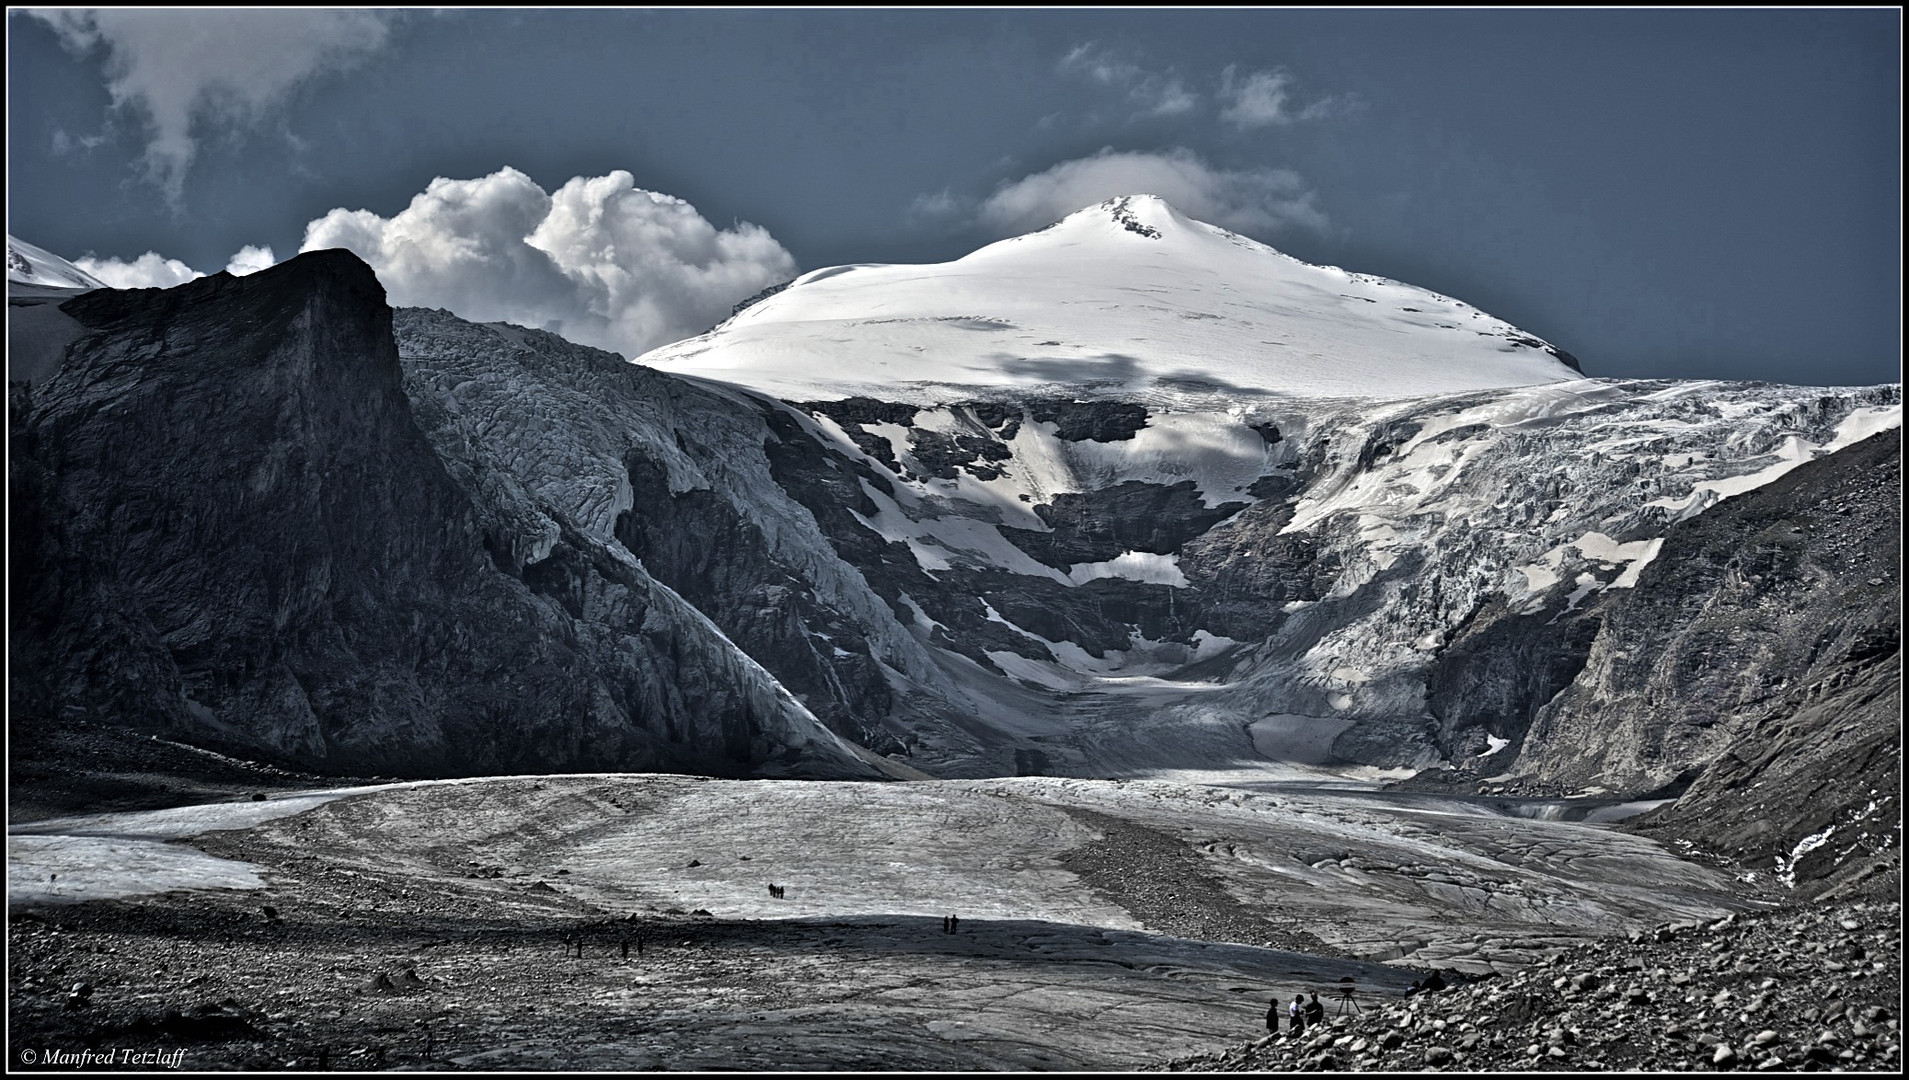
x: 1245, y: 200
x: 154, y: 271
x: 1266, y: 97
x: 600, y: 261
x: 1155, y: 93
x: 185, y: 70
x: 150, y: 271
x: 250, y: 259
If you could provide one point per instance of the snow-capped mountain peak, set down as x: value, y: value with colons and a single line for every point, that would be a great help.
x: 1148, y: 217
x: 1126, y: 298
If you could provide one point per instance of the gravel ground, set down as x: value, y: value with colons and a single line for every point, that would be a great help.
x: 1795, y: 990
x: 1161, y: 882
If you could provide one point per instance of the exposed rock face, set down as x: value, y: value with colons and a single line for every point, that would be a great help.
x: 685, y: 481
x: 1098, y: 421
x: 1751, y: 611
x: 228, y: 528
x: 1765, y: 645
x: 1130, y: 516
x: 1499, y: 667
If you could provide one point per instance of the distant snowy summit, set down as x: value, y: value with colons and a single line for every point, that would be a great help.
x: 36, y: 267
x: 1129, y: 298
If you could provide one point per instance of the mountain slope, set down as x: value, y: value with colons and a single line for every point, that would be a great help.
x: 1128, y: 297
x: 227, y: 528
x: 31, y: 265
x: 37, y: 331
x: 1765, y: 639
x: 673, y: 475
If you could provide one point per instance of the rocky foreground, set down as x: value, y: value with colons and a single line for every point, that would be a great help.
x: 1794, y: 990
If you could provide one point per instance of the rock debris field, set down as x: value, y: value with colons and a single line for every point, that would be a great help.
x: 1795, y: 991
x: 626, y: 922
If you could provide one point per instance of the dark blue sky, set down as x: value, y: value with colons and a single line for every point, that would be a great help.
x: 1687, y: 194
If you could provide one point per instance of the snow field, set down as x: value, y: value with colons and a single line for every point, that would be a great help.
x: 1092, y: 302
x: 31, y: 265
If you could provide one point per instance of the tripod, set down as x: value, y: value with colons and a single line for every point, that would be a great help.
x: 1346, y: 998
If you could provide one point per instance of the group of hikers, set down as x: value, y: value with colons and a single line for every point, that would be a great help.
x: 1300, y: 1015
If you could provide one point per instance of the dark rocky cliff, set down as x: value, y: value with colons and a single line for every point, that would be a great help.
x: 1754, y: 673
x: 228, y: 528
x: 1757, y: 607
x: 1760, y: 658
x: 674, y: 477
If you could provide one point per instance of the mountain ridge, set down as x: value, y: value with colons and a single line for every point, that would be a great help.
x: 346, y: 600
